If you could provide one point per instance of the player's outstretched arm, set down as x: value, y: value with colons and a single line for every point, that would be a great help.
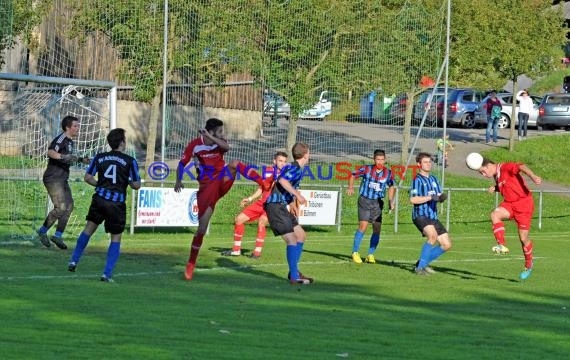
x: 179, y: 174
x: 417, y: 200
x: 252, y: 197
x: 221, y: 142
x: 290, y: 189
x: 90, y: 179
x: 135, y: 184
x: 528, y: 172
x: 391, y: 193
x: 350, y: 189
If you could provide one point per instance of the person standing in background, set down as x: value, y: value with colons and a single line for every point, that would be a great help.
x: 494, y: 107
x: 525, y: 108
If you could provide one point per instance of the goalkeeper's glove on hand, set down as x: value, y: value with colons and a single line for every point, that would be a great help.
x: 69, y: 158
x: 439, y: 198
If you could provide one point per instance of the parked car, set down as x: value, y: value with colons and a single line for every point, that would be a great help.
x: 275, y: 106
x: 428, y: 100
x: 320, y: 110
x: 554, y: 112
x: 506, y: 112
x: 396, y: 112
x: 461, y: 106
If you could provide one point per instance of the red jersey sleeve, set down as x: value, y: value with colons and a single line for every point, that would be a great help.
x: 269, y: 175
x: 511, y: 168
x: 187, y: 154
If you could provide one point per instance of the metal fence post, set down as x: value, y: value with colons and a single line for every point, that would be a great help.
x: 339, y: 210
x: 396, y: 209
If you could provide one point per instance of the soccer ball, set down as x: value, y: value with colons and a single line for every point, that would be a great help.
x: 474, y: 161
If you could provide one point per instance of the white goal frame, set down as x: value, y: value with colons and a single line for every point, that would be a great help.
x: 110, y: 85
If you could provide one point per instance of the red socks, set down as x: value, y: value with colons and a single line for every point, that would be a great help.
x: 238, y: 234
x: 195, y: 248
x: 499, y: 232
x: 260, y: 241
x: 527, y: 250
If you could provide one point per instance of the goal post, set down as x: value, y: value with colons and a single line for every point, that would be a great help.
x: 31, y: 110
x: 110, y: 85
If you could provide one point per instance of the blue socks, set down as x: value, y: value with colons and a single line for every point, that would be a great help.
x: 357, y: 240
x: 299, y: 248
x: 374, y: 241
x: 292, y: 256
x: 112, y: 257
x: 435, y: 253
x: 58, y: 234
x: 43, y: 230
x: 82, y: 242
x: 429, y: 253
x: 425, y: 255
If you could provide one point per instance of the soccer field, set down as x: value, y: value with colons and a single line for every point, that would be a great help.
x: 475, y: 307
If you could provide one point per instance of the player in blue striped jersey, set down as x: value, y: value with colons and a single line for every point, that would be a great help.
x: 115, y: 171
x: 284, y: 221
x: 425, y: 194
x: 376, y: 178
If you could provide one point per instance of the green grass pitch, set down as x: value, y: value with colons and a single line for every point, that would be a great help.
x: 239, y: 308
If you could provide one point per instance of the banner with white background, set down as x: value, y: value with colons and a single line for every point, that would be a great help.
x: 165, y: 207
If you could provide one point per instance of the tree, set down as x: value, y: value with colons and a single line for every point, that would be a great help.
x: 18, y: 20
x: 352, y: 45
x: 496, y: 41
x: 413, y: 48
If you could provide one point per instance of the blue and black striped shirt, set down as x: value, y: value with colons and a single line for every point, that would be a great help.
x: 374, y: 182
x: 114, y: 170
x: 292, y: 173
x: 425, y: 186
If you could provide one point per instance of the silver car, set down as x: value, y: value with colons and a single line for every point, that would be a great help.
x: 505, y: 121
x: 554, y: 112
x: 275, y: 106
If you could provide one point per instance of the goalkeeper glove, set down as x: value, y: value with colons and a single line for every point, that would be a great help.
x: 69, y: 158
x: 439, y: 198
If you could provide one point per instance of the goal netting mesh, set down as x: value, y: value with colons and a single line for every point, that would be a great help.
x: 31, y: 118
x: 342, y: 76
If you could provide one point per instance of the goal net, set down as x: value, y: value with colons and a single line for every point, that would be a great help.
x: 31, y: 110
x: 344, y: 77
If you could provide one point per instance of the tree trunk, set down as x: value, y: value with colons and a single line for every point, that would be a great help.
x: 291, y: 134
x: 407, y: 128
x: 513, y: 118
x: 153, y: 127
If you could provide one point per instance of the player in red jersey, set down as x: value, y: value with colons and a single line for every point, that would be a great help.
x: 215, y: 178
x: 256, y: 211
x: 517, y: 204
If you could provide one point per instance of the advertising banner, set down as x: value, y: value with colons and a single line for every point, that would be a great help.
x: 165, y: 207
x: 321, y: 208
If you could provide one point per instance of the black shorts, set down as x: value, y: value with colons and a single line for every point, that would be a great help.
x: 370, y: 210
x: 113, y: 213
x: 421, y: 222
x: 281, y: 220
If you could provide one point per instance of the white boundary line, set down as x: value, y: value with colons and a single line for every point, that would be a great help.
x: 238, y: 267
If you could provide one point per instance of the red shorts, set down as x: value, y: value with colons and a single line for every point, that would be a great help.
x: 255, y: 210
x: 209, y: 193
x: 520, y: 210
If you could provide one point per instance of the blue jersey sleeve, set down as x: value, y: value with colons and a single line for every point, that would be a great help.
x: 134, y: 172
x: 92, y: 168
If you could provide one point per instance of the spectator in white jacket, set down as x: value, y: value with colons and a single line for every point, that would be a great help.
x: 525, y: 108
